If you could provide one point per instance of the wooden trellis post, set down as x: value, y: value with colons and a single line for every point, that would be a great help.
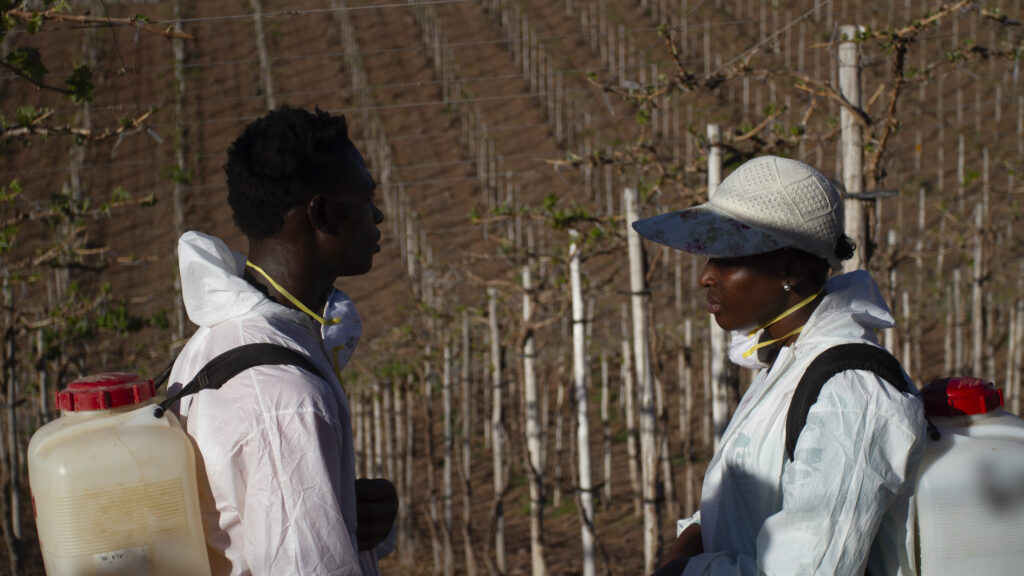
x: 606, y: 490
x: 534, y: 440
x: 719, y: 345
x: 648, y: 451
x: 449, y: 444
x: 977, y: 295
x: 579, y: 362
x: 497, y: 432
x: 628, y: 399
x: 266, y: 74
x: 399, y: 478
x: 378, y: 431
x: 433, y: 513
x: 467, y: 445
x: 180, y: 143
x: 852, y: 149
x: 1015, y: 353
x: 12, y: 506
x: 410, y: 454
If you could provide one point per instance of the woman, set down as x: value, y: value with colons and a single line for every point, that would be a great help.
x: 772, y: 233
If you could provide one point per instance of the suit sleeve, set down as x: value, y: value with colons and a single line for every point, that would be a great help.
x: 292, y: 517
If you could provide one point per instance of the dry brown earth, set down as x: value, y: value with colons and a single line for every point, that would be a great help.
x: 435, y: 169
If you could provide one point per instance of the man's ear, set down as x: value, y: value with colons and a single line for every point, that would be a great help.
x: 317, y: 211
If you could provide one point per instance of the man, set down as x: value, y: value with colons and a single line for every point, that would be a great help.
x: 276, y: 468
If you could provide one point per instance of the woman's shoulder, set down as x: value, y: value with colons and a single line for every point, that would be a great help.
x: 863, y: 389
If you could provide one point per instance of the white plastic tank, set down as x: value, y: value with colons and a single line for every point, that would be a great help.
x: 113, y: 486
x: 970, y: 491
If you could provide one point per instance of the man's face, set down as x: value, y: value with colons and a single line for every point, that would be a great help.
x: 353, y: 217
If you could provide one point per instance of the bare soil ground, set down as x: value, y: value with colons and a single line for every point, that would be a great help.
x: 438, y: 174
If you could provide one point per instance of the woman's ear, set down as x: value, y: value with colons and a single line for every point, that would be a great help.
x: 794, y: 269
x: 804, y: 272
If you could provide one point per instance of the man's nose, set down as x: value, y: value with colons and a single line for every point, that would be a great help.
x: 378, y: 216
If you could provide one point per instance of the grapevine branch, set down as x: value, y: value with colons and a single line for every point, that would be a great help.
x: 20, y: 217
x: 37, y: 129
x: 37, y: 83
x: 131, y: 21
x: 878, y: 128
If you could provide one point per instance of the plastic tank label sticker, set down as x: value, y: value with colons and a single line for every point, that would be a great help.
x: 134, y: 561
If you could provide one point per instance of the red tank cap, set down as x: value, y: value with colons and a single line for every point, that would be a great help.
x: 960, y: 396
x: 104, y: 391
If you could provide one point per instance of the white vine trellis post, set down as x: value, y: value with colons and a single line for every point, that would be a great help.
x: 852, y: 148
x: 644, y: 377
x: 579, y: 362
x: 718, y: 345
x: 497, y: 432
x: 467, y: 447
x: 534, y: 439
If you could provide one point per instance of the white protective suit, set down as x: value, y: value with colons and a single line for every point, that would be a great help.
x: 846, y: 493
x: 276, y: 473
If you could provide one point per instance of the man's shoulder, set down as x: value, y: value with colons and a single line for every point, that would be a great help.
x: 262, y: 388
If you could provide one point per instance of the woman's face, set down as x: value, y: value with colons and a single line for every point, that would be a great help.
x: 747, y: 291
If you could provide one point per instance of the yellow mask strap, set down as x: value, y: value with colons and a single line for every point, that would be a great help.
x: 750, y: 352
x: 293, y: 299
x: 795, y: 307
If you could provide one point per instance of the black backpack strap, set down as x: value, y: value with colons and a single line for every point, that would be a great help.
x: 829, y: 363
x: 229, y: 364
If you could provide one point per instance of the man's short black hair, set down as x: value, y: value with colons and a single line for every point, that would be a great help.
x: 282, y: 160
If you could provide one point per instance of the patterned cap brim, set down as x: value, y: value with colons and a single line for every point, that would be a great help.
x: 706, y: 231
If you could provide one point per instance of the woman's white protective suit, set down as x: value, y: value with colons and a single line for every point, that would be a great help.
x: 277, y: 467
x: 845, y: 496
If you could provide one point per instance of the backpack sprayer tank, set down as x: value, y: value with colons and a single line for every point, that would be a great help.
x: 113, y: 486
x: 970, y: 489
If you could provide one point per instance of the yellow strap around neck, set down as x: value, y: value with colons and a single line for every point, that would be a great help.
x: 766, y: 343
x: 293, y: 299
x: 794, y: 308
x: 794, y: 332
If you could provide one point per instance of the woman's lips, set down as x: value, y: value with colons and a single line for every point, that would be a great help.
x: 714, y: 307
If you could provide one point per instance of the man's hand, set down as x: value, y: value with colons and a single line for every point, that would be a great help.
x: 686, y: 546
x: 376, y: 507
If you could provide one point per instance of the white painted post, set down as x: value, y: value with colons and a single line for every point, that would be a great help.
x: 606, y: 426
x: 1015, y: 383
x: 449, y: 443
x: 977, y: 296
x: 629, y: 406
x: 465, y: 374
x: 378, y: 433
x: 889, y: 337
x: 410, y: 441
x: 534, y: 442
x: 497, y: 433
x: 648, y: 451
x: 958, y: 324
x: 852, y: 149
x: 719, y: 345
x: 266, y: 75
x: 579, y: 363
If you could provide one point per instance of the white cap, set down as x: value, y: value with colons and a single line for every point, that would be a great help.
x: 768, y: 203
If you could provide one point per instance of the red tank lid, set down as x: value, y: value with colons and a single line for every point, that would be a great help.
x: 104, y: 391
x: 960, y: 396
